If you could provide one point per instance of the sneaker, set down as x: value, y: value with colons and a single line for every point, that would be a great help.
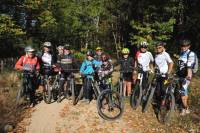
x: 59, y: 99
x: 31, y: 105
x: 183, y: 112
x: 87, y: 101
x: 187, y: 111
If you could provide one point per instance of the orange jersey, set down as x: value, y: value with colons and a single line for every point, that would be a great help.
x: 28, y: 64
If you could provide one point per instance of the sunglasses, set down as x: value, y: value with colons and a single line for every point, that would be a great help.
x: 144, y: 47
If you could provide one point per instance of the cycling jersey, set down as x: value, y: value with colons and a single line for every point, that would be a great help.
x: 185, y: 61
x: 66, y: 62
x: 47, y: 59
x: 88, y: 67
x: 127, y: 65
x: 28, y: 64
x: 106, y: 69
x: 162, y: 60
x: 144, y: 59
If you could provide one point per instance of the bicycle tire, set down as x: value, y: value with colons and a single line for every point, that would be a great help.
x: 136, y: 96
x: 72, y: 86
x: 164, y: 117
x: 109, y: 93
x: 79, y: 96
x: 19, y: 96
x: 47, y: 92
x: 149, y: 99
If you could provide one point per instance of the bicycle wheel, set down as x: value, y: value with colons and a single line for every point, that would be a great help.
x: 72, y: 86
x: 79, y: 96
x: 149, y: 96
x: 110, y: 105
x: 47, y: 92
x: 167, y: 110
x: 136, y: 96
x: 19, y: 96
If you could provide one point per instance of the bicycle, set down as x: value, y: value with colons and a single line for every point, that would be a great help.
x: 94, y: 84
x: 138, y: 95
x: 110, y: 103
x: 165, y: 107
x: 51, y: 87
x: 70, y: 86
x: 26, y: 91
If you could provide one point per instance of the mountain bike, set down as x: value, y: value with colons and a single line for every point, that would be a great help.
x: 51, y: 87
x: 110, y: 104
x: 138, y: 95
x: 94, y: 84
x: 26, y: 90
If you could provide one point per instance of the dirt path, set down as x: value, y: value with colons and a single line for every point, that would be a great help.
x: 66, y: 118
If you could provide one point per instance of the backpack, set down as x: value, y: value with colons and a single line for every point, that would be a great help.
x: 195, y: 65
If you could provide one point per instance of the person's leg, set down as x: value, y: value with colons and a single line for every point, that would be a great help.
x: 124, y: 87
x: 129, y: 88
x: 184, y: 96
x: 61, y: 86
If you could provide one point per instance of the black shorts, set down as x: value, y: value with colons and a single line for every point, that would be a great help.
x: 127, y: 76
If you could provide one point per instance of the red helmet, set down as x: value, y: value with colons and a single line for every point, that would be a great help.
x: 105, y: 57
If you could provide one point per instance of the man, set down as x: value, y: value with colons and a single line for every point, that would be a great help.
x: 67, y: 64
x: 99, y: 52
x: 164, y: 66
x: 144, y: 62
x: 186, y: 63
x: 29, y: 64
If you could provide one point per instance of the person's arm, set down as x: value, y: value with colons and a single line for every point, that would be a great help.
x: 190, y: 62
x: 19, y: 64
x: 37, y: 65
x: 170, y: 63
x: 151, y: 65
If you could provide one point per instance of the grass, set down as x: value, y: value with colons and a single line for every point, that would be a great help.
x: 9, y: 84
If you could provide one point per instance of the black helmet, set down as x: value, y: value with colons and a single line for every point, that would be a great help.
x: 160, y: 44
x: 67, y: 46
x: 90, y: 53
x: 185, y: 42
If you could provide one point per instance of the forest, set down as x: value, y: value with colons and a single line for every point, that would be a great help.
x: 111, y: 24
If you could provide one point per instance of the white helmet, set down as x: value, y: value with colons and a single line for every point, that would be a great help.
x: 47, y: 44
x: 29, y: 49
x: 60, y: 47
x: 144, y: 44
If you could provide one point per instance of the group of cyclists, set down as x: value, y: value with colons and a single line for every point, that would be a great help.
x: 99, y: 64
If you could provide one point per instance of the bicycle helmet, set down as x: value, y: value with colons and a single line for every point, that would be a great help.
x: 29, y: 49
x: 160, y: 44
x: 185, y: 42
x: 143, y: 44
x: 90, y: 53
x: 47, y: 44
x: 67, y: 46
x: 98, y: 48
x: 60, y: 47
x: 105, y: 57
x: 125, y: 51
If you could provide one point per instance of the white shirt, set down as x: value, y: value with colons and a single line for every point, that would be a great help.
x: 47, y: 58
x: 144, y: 59
x: 162, y: 60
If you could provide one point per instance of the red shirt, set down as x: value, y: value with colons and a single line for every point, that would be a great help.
x: 28, y: 64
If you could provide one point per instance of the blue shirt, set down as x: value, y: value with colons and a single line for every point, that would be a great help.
x: 87, y: 67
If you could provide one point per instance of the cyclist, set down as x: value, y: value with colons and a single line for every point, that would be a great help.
x: 99, y: 52
x: 87, y: 70
x: 105, y: 71
x: 127, y: 66
x: 144, y: 62
x: 48, y: 59
x: 185, y: 64
x: 164, y: 65
x: 29, y: 63
x: 67, y: 64
x: 60, y: 53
